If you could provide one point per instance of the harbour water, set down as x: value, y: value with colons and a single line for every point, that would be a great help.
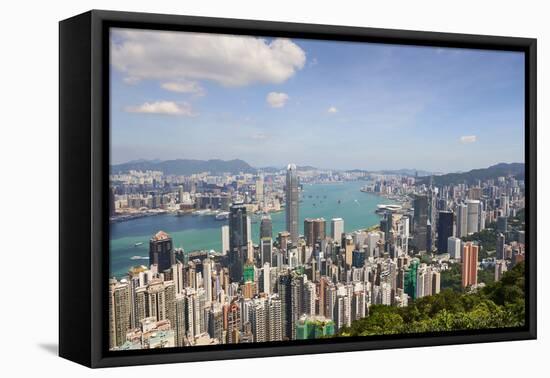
x: 338, y: 200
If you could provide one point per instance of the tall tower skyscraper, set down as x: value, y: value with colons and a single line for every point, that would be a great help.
x: 469, y: 264
x: 461, y: 220
x: 266, y: 228
x: 266, y: 241
x: 238, y: 240
x: 473, y: 215
x: 336, y: 228
x: 292, y: 203
x: 260, y: 190
x: 444, y: 230
x: 161, y: 252
x: 207, y: 278
x: 420, y: 205
x: 454, y: 247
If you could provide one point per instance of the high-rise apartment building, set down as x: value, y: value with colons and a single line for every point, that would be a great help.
x: 119, y: 312
x: 469, y: 264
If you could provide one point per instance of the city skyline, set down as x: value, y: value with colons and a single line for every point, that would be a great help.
x: 281, y: 168
x: 289, y: 285
x: 213, y: 253
x: 388, y: 101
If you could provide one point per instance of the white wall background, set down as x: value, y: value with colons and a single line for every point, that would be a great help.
x: 29, y: 184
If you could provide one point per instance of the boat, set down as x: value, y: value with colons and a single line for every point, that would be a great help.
x: 223, y: 215
x: 139, y: 258
x: 138, y: 244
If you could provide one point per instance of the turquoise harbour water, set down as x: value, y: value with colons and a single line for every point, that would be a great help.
x: 204, y: 232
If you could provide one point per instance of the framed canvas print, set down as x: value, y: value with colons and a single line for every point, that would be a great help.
x: 234, y: 188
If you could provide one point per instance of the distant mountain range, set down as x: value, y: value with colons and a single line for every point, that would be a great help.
x: 502, y: 169
x: 216, y: 166
x: 401, y: 172
x: 185, y: 166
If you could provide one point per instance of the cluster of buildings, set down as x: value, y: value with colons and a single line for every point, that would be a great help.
x: 291, y: 286
x: 136, y: 193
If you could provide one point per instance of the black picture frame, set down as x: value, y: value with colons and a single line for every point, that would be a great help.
x: 84, y: 169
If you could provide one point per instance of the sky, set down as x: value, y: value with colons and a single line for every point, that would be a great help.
x: 328, y: 104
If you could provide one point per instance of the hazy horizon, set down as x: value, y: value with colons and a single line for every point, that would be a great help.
x: 273, y: 166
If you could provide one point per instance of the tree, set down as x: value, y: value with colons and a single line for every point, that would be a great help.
x: 498, y: 305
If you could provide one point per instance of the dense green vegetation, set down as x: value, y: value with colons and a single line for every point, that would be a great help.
x: 487, y: 276
x: 487, y: 240
x: 498, y: 305
x: 452, y: 278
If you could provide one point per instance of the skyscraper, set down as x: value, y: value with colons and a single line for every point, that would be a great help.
x: 260, y: 190
x: 274, y: 321
x: 461, y: 220
x: 266, y: 228
x: 314, y: 230
x: 473, y: 215
x: 225, y: 239
x: 292, y: 203
x: 161, y: 252
x: 233, y: 316
x: 238, y: 240
x: 207, y: 278
x: 266, y: 249
x: 410, y: 278
x: 266, y: 276
x: 336, y: 228
x: 285, y: 294
x: 266, y: 241
x: 420, y: 205
x: 119, y: 312
x: 444, y: 230
x: 454, y: 247
x: 469, y: 264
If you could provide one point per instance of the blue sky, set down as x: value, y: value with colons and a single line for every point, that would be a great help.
x: 321, y: 103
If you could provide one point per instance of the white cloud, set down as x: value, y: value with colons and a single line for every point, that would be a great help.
x: 162, y: 107
x: 259, y: 136
x: 225, y: 59
x: 468, y: 139
x: 276, y: 99
x: 332, y: 110
x: 184, y: 87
